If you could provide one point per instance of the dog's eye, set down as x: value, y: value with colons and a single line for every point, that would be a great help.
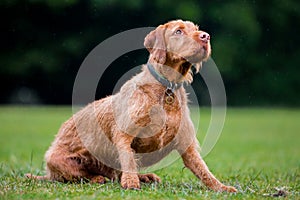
x: 178, y: 32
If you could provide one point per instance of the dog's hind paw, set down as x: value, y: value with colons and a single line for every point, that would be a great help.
x: 98, y: 179
x: 31, y: 176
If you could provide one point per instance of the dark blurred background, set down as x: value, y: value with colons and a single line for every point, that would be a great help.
x: 256, y: 45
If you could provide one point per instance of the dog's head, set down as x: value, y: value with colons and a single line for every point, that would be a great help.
x: 178, y: 43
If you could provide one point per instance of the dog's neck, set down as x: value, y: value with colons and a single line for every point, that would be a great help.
x: 176, y: 72
x: 163, y: 80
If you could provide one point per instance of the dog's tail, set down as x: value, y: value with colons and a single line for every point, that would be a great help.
x: 31, y: 176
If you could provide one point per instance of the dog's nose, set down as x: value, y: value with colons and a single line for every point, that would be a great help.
x: 205, y: 37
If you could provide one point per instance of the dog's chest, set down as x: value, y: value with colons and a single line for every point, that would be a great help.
x: 159, y: 124
x: 156, y: 138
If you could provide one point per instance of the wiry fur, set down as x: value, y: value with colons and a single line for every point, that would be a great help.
x: 115, y: 136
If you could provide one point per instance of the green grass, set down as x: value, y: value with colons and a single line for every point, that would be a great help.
x: 258, y: 151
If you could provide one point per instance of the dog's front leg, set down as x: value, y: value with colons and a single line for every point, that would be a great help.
x: 129, y: 177
x: 194, y: 162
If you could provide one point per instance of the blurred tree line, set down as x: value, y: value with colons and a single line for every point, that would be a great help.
x: 43, y: 43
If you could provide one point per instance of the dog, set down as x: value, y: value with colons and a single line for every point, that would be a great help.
x: 112, y: 138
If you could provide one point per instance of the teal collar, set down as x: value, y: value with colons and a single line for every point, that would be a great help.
x: 160, y: 78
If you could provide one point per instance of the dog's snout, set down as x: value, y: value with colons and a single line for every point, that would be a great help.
x: 205, y: 37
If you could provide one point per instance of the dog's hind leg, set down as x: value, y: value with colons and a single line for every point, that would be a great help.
x: 66, y: 167
x: 68, y: 170
x: 62, y: 170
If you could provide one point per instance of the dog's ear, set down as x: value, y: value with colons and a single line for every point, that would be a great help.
x: 197, y: 66
x: 156, y: 45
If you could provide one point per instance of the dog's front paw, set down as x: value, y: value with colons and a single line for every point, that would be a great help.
x: 130, y: 181
x: 231, y: 189
x: 149, y: 178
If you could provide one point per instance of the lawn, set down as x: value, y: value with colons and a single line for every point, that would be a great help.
x: 258, y: 151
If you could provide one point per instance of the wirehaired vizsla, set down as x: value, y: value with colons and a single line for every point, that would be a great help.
x: 112, y: 138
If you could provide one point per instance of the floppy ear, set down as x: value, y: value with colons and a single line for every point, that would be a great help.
x: 156, y: 45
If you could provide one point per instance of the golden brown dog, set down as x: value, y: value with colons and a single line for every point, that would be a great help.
x: 116, y: 136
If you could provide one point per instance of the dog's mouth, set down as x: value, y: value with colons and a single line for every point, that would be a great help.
x: 185, y: 68
x: 199, y: 54
x: 183, y: 62
x: 196, y: 54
